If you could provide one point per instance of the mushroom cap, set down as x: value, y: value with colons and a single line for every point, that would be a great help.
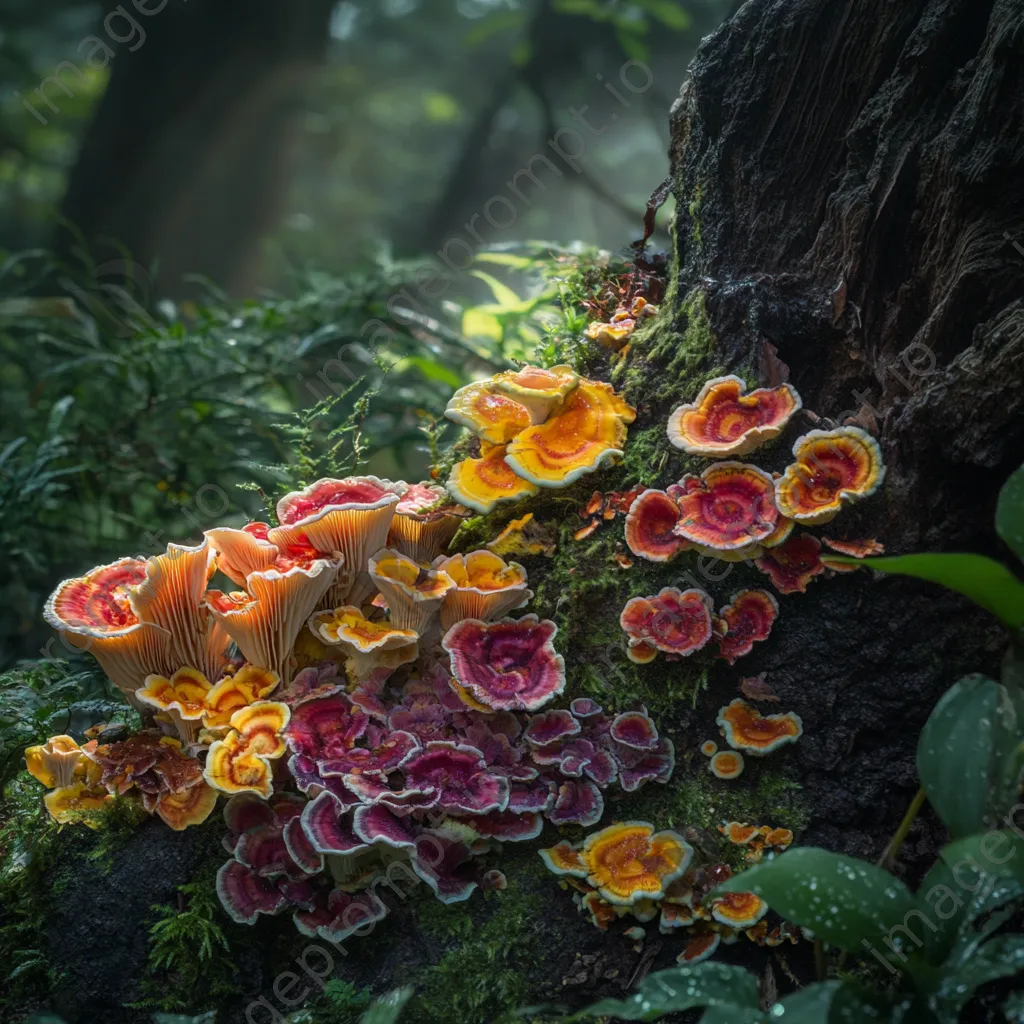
x: 460, y: 776
x: 793, y: 564
x: 611, y: 335
x: 709, y: 748
x: 484, y: 483
x: 699, y: 948
x: 231, y: 769
x: 53, y: 763
x: 832, y: 468
x: 550, y: 727
x: 240, y: 552
x: 191, y: 806
x: 739, y: 833
x: 584, y: 432
x: 635, y: 729
x: 172, y: 596
x: 414, y: 592
x: 266, y: 623
x: 745, y: 728
x: 577, y: 802
x: 540, y: 390
x: 350, y: 517
x: 730, y: 506
x: 509, y: 665
x: 650, y: 526
x: 564, y: 859
x: 749, y: 617
x: 727, y: 764
x: 723, y: 421
x: 67, y: 803
x: 245, y: 895
x: 641, y: 652
x: 94, y: 613
x: 486, y: 586
x: 492, y: 415
x: 629, y: 861
x: 248, y: 685
x: 151, y: 762
x: 423, y: 526
x: 738, y: 910
x: 852, y: 549
x: 185, y: 692
x: 779, y: 838
x: 348, y: 625
x: 674, y: 621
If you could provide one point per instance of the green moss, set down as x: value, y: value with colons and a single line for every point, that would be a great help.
x: 115, y: 823
x: 694, y: 210
x: 189, y: 966
x: 340, y: 1002
x: 483, y: 978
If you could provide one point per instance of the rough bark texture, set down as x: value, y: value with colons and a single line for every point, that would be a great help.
x: 845, y: 176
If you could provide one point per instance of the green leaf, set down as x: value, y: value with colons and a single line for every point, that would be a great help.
x: 478, y: 324
x: 1000, y: 958
x: 999, y: 854
x: 966, y: 754
x: 388, y: 1008
x: 682, y: 988
x: 844, y: 901
x: 506, y: 298
x: 832, y: 1002
x: 733, y: 1015
x: 1010, y: 513
x: 986, y: 582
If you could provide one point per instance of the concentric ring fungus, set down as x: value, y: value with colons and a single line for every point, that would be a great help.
x: 630, y: 861
x: 240, y: 763
x: 368, y: 645
x: 484, y: 483
x: 725, y: 422
x: 507, y: 665
x: 650, y: 527
x: 749, y: 617
x: 833, y: 468
x: 730, y: 506
x: 793, y: 564
x: 673, y: 621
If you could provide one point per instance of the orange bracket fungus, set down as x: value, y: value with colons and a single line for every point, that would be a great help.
x: 485, y: 587
x: 650, y: 527
x: 730, y: 506
x: 673, y: 621
x: 541, y: 391
x: 629, y: 862
x: 414, y: 593
x: 55, y: 763
x: 240, y: 763
x: 793, y: 564
x: 852, y: 549
x: 723, y: 421
x: 746, y: 729
x: 508, y: 665
x: 749, y: 617
x: 738, y: 910
x: 494, y: 417
x: 94, y: 613
x: 833, y: 468
x: 425, y: 521
x: 587, y: 429
x: 700, y: 948
x: 368, y: 645
x: 484, y: 483
x: 191, y: 806
x: 182, y: 697
x: 726, y: 764
x: 248, y: 685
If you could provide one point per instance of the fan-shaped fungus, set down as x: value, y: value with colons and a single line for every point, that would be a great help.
x: 792, y: 565
x: 484, y: 483
x: 749, y: 617
x: 630, y: 861
x: 674, y: 621
x: 650, y: 526
x: 486, y: 587
x: 746, y: 729
x: 730, y: 506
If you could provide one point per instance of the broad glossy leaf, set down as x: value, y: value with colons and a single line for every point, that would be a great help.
x: 999, y: 958
x: 681, y: 988
x: 832, y: 1002
x: 999, y: 854
x: 1010, y: 513
x: 844, y: 901
x: 965, y: 751
x: 985, y: 581
x: 733, y: 1015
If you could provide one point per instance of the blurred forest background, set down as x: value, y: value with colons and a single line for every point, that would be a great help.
x: 204, y: 203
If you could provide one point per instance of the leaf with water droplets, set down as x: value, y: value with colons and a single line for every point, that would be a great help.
x: 844, y: 901
x: 831, y: 1002
x: 682, y: 988
x: 1000, y: 958
x: 967, y: 756
x: 1010, y: 513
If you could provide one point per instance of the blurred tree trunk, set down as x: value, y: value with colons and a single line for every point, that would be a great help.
x: 847, y: 180
x: 188, y: 157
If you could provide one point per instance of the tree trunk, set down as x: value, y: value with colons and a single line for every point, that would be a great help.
x: 188, y: 157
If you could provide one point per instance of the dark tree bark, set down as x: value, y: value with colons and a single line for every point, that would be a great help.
x: 188, y: 156
x: 848, y: 178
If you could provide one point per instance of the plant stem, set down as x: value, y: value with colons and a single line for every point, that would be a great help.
x: 893, y: 847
